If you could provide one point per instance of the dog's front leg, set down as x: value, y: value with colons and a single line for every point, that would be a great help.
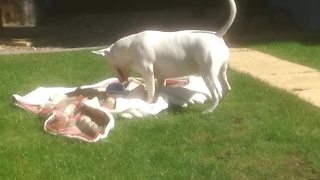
x: 148, y: 77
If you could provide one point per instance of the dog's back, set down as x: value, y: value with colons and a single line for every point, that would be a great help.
x: 173, y: 54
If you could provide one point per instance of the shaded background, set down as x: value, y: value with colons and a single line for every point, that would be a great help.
x: 82, y: 23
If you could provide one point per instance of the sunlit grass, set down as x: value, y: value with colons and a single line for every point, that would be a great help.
x: 301, y: 52
x: 257, y: 132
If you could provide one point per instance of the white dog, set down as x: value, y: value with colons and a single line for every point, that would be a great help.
x: 156, y: 54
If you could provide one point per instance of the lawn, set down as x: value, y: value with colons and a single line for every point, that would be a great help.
x: 301, y: 51
x: 257, y: 132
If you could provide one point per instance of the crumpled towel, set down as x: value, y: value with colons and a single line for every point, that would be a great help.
x: 84, y: 116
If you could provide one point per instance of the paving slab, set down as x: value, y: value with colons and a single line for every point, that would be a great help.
x: 296, y: 79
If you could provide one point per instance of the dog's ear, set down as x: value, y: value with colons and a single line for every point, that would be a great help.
x: 102, y: 52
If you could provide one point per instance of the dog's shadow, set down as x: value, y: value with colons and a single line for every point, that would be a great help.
x: 180, y: 97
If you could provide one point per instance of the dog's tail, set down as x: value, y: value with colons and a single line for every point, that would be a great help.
x: 232, y: 16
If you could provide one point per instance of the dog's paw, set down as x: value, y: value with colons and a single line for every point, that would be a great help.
x: 210, y: 109
x: 206, y: 111
x: 198, y: 98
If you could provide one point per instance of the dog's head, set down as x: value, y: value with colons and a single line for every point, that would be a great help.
x: 121, y: 71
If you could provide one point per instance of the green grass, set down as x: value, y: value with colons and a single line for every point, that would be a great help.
x: 306, y: 53
x: 257, y: 132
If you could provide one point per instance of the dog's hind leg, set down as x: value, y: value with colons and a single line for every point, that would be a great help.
x: 224, y: 79
x: 209, y: 69
x: 214, y: 87
x: 210, y: 77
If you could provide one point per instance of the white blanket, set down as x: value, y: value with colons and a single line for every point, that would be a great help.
x: 86, y: 119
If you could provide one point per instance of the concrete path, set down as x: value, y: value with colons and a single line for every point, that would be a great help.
x: 299, y: 80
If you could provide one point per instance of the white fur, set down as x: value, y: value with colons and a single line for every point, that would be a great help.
x: 156, y: 54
